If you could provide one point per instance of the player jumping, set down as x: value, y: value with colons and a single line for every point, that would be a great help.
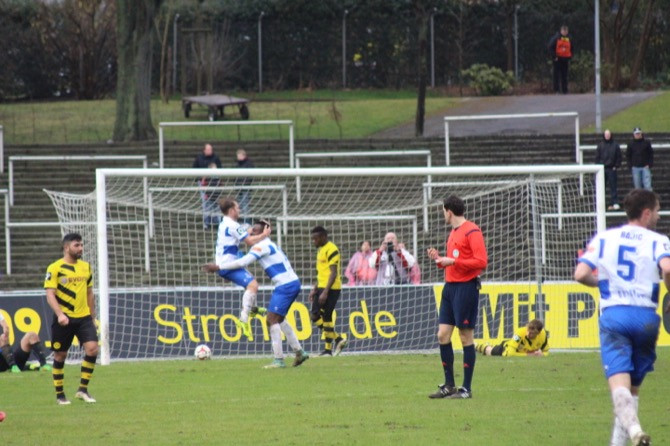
x: 229, y: 237
x: 287, y: 288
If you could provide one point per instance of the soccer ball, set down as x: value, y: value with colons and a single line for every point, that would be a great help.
x: 203, y: 352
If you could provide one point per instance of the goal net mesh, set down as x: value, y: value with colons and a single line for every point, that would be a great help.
x: 162, y: 304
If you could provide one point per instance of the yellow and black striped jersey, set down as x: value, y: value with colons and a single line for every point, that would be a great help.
x: 328, y: 255
x: 71, y: 283
x: 521, y: 345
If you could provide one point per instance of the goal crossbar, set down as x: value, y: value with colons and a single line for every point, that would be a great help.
x: 360, y: 154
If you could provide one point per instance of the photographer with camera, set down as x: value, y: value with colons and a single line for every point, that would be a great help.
x: 392, y: 262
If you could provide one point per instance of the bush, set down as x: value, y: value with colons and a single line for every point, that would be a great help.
x: 488, y: 81
x: 581, y: 74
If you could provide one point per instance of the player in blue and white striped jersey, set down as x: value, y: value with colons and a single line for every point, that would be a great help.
x: 287, y: 288
x: 228, y: 239
x: 630, y: 260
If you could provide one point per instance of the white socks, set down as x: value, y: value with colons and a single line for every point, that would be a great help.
x: 275, y: 336
x: 290, y: 336
x: 625, y: 410
x: 248, y: 300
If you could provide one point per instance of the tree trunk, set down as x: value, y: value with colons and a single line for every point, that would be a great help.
x: 134, y: 26
x: 164, y: 79
x: 642, y: 44
x: 508, y: 8
x: 422, y: 62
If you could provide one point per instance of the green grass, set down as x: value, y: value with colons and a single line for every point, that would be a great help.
x: 322, y: 115
x: 651, y: 115
x: 558, y: 400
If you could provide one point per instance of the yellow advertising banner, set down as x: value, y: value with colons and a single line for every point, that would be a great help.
x: 569, y: 312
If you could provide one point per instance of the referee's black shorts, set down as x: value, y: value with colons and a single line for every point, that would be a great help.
x: 460, y: 302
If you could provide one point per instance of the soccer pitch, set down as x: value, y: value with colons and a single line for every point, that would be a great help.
x: 375, y: 399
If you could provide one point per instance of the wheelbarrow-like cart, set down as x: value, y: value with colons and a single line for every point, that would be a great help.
x: 215, y: 104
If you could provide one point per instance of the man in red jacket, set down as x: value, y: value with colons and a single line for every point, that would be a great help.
x: 465, y: 259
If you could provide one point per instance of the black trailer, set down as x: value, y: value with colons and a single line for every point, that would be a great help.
x: 215, y: 104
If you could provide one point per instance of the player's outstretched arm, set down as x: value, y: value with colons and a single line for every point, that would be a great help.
x: 253, y: 239
x: 237, y: 264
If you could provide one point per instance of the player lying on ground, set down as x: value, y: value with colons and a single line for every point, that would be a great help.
x: 287, y: 288
x: 531, y: 340
x: 16, y: 360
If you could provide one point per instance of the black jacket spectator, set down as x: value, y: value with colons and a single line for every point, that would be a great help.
x: 639, y: 153
x: 202, y: 161
x: 608, y: 153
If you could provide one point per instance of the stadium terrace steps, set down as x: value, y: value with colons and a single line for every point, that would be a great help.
x: 33, y: 248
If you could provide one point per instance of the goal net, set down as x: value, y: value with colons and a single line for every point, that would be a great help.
x: 144, y: 235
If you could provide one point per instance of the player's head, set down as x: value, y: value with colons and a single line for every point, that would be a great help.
x: 259, y: 226
x: 642, y: 206
x: 229, y: 207
x: 534, y: 328
x: 73, y: 246
x: 453, y: 206
x: 319, y: 236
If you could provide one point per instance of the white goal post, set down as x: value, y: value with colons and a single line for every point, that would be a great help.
x: 448, y: 119
x: 165, y: 312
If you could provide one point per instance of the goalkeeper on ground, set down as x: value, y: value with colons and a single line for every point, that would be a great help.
x: 531, y: 340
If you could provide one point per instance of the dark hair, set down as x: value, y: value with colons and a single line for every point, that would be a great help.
x: 262, y: 223
x: 637, y: 200
x: 536, y: 324
x: 320, y: 230
x: 71, y: 237
x: 226, y: 204
x: 454, y: 204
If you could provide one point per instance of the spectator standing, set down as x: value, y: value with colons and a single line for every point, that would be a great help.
x: 210, y: 205
x: 392, y: 262
x: 244, y: 195
x: 203, y: 161
x: 358, y: 270
x: 561, y: 50
x: 640, y: 156
x: 608, y: 153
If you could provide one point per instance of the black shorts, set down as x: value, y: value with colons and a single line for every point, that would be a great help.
x: 20, y: 358
x: 499, y: 349
x: 331, y: 301
x: 82, y: 327
x: 460, y: 301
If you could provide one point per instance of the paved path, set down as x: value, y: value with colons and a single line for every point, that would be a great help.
x: 584, y: 104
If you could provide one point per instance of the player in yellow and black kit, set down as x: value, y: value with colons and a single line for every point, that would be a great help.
x: 326, y: 292
x: 531, y: 340
x: 69, y: 288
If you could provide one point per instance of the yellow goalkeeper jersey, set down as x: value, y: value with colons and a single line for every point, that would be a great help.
x: 521, y: 345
